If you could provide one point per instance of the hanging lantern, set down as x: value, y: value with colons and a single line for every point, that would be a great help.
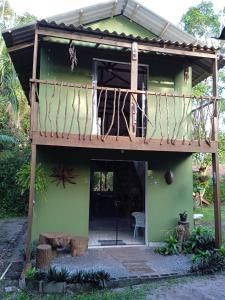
x: 169, y: 177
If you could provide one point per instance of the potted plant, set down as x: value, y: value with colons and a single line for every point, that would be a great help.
x: 183, y: 216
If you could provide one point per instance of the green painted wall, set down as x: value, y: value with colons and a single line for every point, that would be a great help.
x: 55, y: 65
x: 121, y: 24
x: 67, y: 210
x: 62, y: 209
x: 165, y: 202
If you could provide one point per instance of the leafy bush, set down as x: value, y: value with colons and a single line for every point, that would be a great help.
x: 12, y: 203
x: 96, y: 278
x: 208, y: 262
x: 170, y: 248
x: 23, y: 178
x: 57, y: 275
x: 201, y: 239
x: 31, y: 273
x: 209, y: 190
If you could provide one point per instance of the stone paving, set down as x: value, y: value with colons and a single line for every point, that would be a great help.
x: 125, y: 262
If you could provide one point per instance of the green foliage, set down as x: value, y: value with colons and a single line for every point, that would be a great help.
x: 57, y: 275
x: 170, y: 248
x: 12, y: 203
x: 208, y: 262
x: 96, y: 278
x: 23, y: 178
x: 201, y: 21
x: 31, y: 273
x: 201, y: 239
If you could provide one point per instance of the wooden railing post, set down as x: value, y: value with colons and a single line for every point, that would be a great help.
x: 133, y: 86
x: 215, y: 161
x: 33, y: 153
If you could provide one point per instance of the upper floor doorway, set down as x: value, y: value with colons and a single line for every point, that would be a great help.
x: 114, y: 108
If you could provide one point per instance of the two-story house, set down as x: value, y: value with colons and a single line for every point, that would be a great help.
x: 114, y: 122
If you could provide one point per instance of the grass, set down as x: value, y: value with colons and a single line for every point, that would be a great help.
x: 208, y: 212
x: 138, y: 292
x: 208, y: 217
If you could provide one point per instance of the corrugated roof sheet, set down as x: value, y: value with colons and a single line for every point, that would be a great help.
x: 154, y: 41
x: 169, y: 34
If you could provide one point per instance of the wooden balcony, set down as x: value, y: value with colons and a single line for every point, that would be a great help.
x: 74, y: 115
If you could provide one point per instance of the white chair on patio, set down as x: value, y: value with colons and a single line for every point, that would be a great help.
x: 197, y: 217
x: 139, y: 221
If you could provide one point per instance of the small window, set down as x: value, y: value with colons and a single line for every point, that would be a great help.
x: 103, y: 182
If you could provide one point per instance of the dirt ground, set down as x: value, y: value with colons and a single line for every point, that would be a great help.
x: 199, y: 288
x: 12, y: 241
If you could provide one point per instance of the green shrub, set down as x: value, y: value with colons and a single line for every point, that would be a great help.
x: 31, y: 273
x: 170, y: 248
x: 208, y: 262
x: 201, y: 239
x: 96, y: 278
x: 12, y: 203
x: 23, y: 178
x: 57, y: 275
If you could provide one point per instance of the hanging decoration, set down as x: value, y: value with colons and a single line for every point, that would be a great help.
x: 169, y: 177
x: 62, y: 174
x: 73, y: 55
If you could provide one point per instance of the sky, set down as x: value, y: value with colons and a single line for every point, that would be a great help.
x: 172, y: 10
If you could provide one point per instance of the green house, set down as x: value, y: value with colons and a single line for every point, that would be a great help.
x: 114, y: 122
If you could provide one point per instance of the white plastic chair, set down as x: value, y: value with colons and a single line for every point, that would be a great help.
x: 139, y: 221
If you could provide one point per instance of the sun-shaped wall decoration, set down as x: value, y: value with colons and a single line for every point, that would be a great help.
x: 63, y: 174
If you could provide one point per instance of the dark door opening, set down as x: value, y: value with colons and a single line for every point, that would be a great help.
x: 117, y: 75
x: 117, y: 203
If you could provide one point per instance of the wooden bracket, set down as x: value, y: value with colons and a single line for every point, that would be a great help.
x: 81, y: 17
x: 114, y: 8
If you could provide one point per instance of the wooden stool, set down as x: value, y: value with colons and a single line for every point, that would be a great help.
x: 55, y: 239
x: 44, y: 256
x: 79, y: 245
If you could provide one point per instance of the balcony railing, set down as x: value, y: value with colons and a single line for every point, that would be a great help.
x: 67, y: 109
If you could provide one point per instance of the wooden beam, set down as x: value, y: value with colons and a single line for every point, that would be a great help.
x: 133, y: 86
x: 31, y: 203
x: 122, y: 143
x: 70, y: 84
x: 20, y: 46
x: 119, y: 42
x: 164, y: 30
x: 217, y: 202
x: 134, y: 12
x: 34, y: 115
x: 215, y: 162
x: 33, y: 88
x: 81, y: 17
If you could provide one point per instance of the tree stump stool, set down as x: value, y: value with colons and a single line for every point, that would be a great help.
x: 44, y: 256
x: 186, y: 233
x: 55, y: 239
x: 79, y: 245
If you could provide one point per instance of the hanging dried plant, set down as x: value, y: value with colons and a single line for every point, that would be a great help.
x: 62, y: 174
x: 73, y: 56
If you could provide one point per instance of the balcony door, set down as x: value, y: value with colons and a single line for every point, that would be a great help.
x: 113, y: 106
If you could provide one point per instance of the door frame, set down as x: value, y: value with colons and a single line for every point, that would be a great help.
x: 95, y: 82
x: 145, y: 202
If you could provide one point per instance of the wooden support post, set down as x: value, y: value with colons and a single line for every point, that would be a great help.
x: 215, y: 162
x: 31, y: 203
x: 133, y: 86
x: 34, y: 104
x: 33, y: 153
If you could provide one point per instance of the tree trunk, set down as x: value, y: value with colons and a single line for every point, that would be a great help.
x: 44, y: 256
x: 79, y: 245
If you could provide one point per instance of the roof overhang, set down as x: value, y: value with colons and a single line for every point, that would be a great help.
x: 19, y: 40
